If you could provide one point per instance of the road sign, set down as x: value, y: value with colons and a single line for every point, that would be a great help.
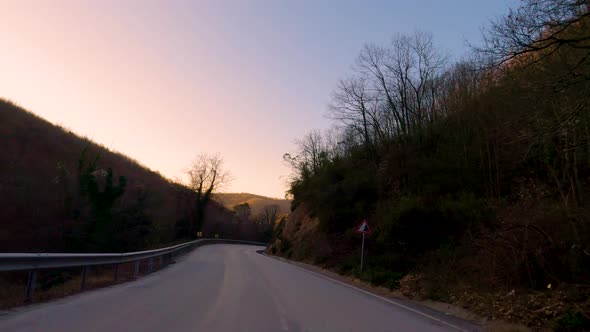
x: 364, y: 227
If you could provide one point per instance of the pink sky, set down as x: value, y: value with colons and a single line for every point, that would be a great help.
x: 163, y: 81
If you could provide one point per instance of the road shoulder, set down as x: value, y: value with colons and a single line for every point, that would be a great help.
x: 451, y: 315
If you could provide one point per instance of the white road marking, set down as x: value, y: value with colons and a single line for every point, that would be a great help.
x: 375, y: 295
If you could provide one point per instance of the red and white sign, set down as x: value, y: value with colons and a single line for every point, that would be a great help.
x: 364, y: 227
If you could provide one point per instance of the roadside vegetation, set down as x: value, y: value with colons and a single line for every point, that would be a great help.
x: 261, y: 212
x: 257, y: 203
x: 63, y: 193
x: 473, y: 174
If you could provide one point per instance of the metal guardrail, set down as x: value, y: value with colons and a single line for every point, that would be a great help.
x: 43, y: 261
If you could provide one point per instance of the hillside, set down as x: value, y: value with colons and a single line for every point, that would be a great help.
x: 43, y: 208
x: 474, y: 177
x: 256, y: 202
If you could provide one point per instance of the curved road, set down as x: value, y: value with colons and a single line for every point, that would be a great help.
x: 225, y: 288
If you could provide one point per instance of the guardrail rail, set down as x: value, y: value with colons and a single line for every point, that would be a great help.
x: 34, y: 262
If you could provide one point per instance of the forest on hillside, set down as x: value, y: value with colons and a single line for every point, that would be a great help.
x: 62, y: 192
x: 472, y: 173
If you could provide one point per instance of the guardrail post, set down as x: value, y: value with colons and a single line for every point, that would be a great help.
x: 34, y: 262
x: 116, y: 272
x: 31, y: 280
x: 84, y: 272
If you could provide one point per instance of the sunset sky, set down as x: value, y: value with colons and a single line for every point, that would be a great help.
x: 163, y: 81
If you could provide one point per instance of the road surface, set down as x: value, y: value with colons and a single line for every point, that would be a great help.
x: 224, y: 288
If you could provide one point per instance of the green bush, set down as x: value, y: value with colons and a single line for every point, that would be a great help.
x: 385, y: 278
x: 379, y: 270
x: 464, y: 211
x: 340, y: 194
x: 436, y: 292
x: 349, y: 265
x: 571, y: 321
x: 416, y: 225
x: 380, y: 277
x: 284, y: 246
x: 411, y: 224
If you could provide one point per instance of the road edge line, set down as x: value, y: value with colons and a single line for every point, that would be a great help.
x: 390, y: 301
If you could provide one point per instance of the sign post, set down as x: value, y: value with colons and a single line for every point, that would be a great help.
x: 362, y: 251
x: 363, y: 228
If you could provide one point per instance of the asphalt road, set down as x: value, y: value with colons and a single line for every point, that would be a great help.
x: 226, y: 288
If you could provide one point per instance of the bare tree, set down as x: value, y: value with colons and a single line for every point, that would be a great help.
x: 270, y: 214
x: 399, y: 93
x: 243, y: 211
x: 428, y: 65
x: 206, y: 175
x: 312, y: 152
x: 355, y: 106
x: 372, y: 62
x: 459, y: 84
x: 336, y: 141
x: 538, y: 25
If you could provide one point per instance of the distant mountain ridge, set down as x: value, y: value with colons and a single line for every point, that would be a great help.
x: 256, y: 202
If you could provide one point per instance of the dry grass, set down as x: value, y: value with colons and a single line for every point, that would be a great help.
x: 501, y: 326
x: 506, y: 309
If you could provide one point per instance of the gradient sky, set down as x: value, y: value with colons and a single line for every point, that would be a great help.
x: 163, y: 81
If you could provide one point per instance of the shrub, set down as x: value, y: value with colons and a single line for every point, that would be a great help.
x: 571, y: 321
x: 417, y: 225
x: 410, y: 224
